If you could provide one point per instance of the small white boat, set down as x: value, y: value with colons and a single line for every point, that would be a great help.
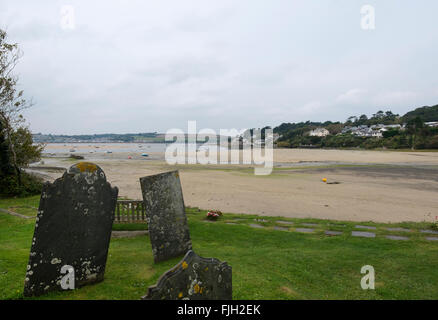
x: 109, y: 151
x: 144, y: 155
x: 72, y: 150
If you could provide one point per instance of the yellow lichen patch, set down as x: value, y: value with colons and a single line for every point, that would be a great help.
x: 184, y: 265
x: 86, y: 167
x: 196, y: 288
x: 177, y: 174
x: 180, y: 295
x: 206, y: 269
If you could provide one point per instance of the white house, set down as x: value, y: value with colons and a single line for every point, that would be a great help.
x: 319, y: 132
x: 377, y: 133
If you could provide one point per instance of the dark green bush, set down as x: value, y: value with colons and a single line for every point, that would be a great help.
x: 30, y: 185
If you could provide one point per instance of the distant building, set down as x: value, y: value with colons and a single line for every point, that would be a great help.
x: 319, y: 132
x: 377, y: 133
x: 432, y: 124
x: 375, y: 130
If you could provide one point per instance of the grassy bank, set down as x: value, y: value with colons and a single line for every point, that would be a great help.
x: 267, y: 263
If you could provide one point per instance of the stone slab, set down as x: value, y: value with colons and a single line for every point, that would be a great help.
x: 365, y: 227
x: 396, y: 237
x: 253, y: 225
x: 165, y: 211
x: 429, y: 231
x: 363, y: 234
x: 332, y: 233
x: 398, y: 229
x: 16, y: 214
x: 310, y: 224
x: 306, y: 230
x: 194, y: 278
x: 73, y: 228
x: 281, y: 228
x: 284, y: 222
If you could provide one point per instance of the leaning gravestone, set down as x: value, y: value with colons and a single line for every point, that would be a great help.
x: 194, y: 278
x: 72, y: 230
x: 167, y: 221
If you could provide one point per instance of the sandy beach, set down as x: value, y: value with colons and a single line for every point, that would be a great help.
x: 381, y: 186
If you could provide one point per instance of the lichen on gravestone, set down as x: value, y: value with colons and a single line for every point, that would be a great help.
x: 73, y: 228
x: 165, y: 211
x: 194, y: 278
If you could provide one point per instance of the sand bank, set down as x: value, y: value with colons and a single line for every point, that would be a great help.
x: 392, y: 187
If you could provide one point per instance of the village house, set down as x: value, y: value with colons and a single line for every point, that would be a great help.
x: 375, y: 130
x: 319, y: 132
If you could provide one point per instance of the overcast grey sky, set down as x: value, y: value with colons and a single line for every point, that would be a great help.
x: 141, y: 66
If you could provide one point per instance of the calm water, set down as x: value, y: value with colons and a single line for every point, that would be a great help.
x: 105, y: 147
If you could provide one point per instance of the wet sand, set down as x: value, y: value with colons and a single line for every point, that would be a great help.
x: 381, y: 186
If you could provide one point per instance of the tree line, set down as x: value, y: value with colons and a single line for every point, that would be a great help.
x: 413, y: 133
x: 16, y: 146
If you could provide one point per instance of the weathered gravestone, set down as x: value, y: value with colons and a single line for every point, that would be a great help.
x: 73, y: 228
x: 194, y: 278
x: 167, y: 221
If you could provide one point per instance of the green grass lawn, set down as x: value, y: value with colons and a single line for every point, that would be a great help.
x: 267, y: 263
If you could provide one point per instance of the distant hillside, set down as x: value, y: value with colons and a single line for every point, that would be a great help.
x: 426, y: 113
x: 107, y: 137
x: 381, y: 130
x: 285, y: 128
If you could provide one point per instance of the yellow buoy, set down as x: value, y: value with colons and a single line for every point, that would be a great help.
x: 324, y: 179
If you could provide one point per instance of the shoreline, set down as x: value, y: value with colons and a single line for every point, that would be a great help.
x: 370, y: 186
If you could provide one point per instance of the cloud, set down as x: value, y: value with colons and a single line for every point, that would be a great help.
x: 352, y: 96
x: 309, y: 108
x: 150, y: 66
x: 396, y: 98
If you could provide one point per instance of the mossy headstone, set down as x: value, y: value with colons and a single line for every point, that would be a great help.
x: 72, y: 230
x: 194, y: 278
x: 165, y: 212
